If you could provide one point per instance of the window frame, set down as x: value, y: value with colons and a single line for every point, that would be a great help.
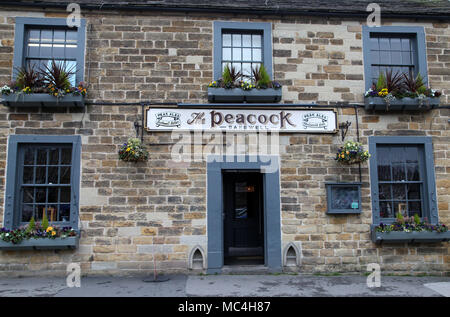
x: 264, y: 27
x: 417, y: 31
x: 12, y: 194
x: 22, y: 23
x: 429, y: 182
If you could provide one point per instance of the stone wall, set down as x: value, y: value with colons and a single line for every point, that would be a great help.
x: 131, y: 212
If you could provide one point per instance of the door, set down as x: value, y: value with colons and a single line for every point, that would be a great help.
x: 243, y: 217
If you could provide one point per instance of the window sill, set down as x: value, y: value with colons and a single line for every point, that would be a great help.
x: 238, y: 95
x: 409, y: 237
x: 378, y: 103
x: 44, y: 100
x: 42, y: 244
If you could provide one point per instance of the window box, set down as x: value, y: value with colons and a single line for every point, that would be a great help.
x: 378, y: 103
x: 343, y: 198
x: 268, y: 95
x: 409, y: 237
x: 44, y: 100
x: 42, y: 244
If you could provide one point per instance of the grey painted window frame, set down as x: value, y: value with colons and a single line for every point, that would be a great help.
x: 19, y: 41
x: 272, y: 207
x: 264, y: 27
x: 11, y: 194
x: 429, y: 197
x: 419, y: 33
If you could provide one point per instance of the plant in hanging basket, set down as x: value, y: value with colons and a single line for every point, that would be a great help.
x: 133, y: 151
x: 351, y: 153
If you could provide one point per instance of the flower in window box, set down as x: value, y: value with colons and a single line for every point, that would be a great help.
x: 352, y: 152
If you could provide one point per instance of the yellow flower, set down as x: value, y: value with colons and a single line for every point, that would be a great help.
x: 347, y: 152
x: 49, y: 229
x: 342, y: 155
x: 128, y: 149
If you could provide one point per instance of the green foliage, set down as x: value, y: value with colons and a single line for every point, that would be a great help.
x: 44, y: 221
x: 400, y: 217
x: 230, y: 76
x: 57, y: 75
x: 28, y: 77
x: 416, y: 219
x: 261, y: 76
x: 31, y: 225
x: 381, y: 83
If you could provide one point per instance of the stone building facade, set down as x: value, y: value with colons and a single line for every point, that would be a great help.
x: 132, y: 215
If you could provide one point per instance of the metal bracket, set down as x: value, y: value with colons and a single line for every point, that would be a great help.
x: 344, y: 128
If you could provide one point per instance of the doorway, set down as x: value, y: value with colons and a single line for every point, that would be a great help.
x: 243, y: 217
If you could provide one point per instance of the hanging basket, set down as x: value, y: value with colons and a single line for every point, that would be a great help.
x: 133, y: 151
x: 352, y: 153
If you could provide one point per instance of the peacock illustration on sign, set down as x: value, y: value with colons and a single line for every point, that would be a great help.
x: 168, y: 119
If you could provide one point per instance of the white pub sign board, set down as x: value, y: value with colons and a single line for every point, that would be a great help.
x: 245, y: 120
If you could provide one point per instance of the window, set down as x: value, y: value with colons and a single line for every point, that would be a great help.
x: 43, y: 177
x: 402, y: 178
x: 399, y: 49
x: 38, y: 41
x: 243, y: 46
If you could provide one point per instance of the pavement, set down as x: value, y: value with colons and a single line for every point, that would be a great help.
x: 227, y: 286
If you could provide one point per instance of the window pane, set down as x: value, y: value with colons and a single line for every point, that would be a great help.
x: 54, y: 156
x: 52, y: 212
x: 29, y: 156
x: 413, y: 191
x: 65, y: 175
x: 246, y: 69
x: 27, y: 213
x: 412, y: 154
x: 400, y: 206
x: 45, y: 50
x: 53, y: 175
x: 46, y: 36
x: 226, y: 54
x: 34, y: 35
x: 399, y: 191
x: 237, y: 40
x: 28, y: 175
x: 398, y: 172
x: 65, y: 194
x: 226, y: 38
x: 256, y: 54
x: 256, y: 40
x: 237, y: 54
x: 247, y: 54
x: 395, y: 44
x: 396, y: 58
x: 413, y: 172
x: 386, y: 209
x: 71, y: 37
x: 59, y: 36
x: 40, y: 195
x: 66, y: 156
x: 415, y: 207
x: 33, y: 49
x: 28, y: 195
x: 384, y: 44
x: 42, y: 157
x: 53, y: 195
x: 39, y: 211
x: 58, y: 51
x: 246, y: 40
x: 64, y: 212
x: 385, y: 192
x: 406, y: 58
x: 40, y: 175
x: 385, y: 57
x: 406, y: 45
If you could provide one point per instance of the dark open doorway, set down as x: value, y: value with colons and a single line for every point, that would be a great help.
x: 243, y: 217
